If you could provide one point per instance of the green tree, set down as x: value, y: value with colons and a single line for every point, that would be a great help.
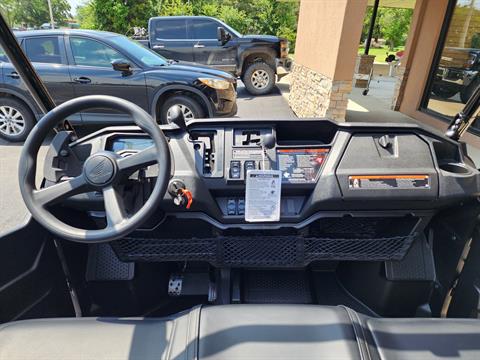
x: 390, y: 24
x: 175, y: 7
x: 273, y: 17
x: 395, y: 24
x: 122, y: 15
x: 35, y: 12
x: 7, y: 8
x: 86, y: 16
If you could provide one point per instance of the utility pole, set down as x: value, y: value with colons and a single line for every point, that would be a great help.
x: 52, y: 23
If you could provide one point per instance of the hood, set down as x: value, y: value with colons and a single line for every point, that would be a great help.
x: 266, y: 38
x: 201, y: 69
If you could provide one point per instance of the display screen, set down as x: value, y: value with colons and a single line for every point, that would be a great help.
x: 300, y: 165
x: 130, y: 143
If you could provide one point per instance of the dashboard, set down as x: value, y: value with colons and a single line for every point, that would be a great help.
x: 326, y: 167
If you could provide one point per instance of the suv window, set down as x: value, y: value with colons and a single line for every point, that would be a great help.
x: 203, y: 29
x: 43, y: 50
x: 3, y: 56
x: 90, y: 52
x: 171, y: 29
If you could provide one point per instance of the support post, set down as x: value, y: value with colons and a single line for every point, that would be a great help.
x: 372, y: 26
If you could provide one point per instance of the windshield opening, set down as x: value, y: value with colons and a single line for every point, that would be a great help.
x: 139, y: 52
x: 230, y: 29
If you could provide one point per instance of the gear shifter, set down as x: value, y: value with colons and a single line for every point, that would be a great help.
x: 177, y: 118
x: 268, y: 141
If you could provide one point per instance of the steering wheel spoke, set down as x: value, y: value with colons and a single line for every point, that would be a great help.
x: 138, y: 160
x: 61, y: 190
x: 114, y: 206
x: 102, y: 170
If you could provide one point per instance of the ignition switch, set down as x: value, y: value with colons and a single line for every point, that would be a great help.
x: 181, y: 195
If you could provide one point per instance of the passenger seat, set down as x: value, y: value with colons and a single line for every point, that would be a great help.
x: 243, y: 332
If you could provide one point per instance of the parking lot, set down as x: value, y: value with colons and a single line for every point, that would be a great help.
x: 12, y: 210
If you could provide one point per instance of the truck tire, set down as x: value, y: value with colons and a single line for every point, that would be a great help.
x: 16, y: 119
x: 467, y: 92
x: 259, y: 78
x: 190, y: 107
x: 444, y: 91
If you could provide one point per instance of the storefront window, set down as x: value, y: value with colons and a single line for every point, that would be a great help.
x: 457, y: 72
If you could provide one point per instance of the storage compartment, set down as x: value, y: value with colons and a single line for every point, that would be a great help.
x: 454, y: 168
x: 332, y: 238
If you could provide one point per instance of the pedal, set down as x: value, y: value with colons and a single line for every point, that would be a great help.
x: 192, y: 284
x: 104, y: 265
x: 175, y: 285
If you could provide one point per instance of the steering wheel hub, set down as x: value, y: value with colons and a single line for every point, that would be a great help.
x: 99, y: 169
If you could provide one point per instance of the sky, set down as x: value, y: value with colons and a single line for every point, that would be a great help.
x: 74, y: 4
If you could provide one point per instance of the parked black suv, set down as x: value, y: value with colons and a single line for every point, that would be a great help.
x: 74, y: 63
x: 206, y: 40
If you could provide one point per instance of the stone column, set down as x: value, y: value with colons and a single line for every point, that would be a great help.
x: 363, y: 68
x: 328, y: 36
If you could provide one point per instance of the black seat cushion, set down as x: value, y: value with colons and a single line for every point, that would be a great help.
x: 99, y: 339
x: 425, y: 338
x: 243, y: 332
x: 276, y: 332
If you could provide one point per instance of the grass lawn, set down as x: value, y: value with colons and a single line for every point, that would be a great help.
x: 380, y: 53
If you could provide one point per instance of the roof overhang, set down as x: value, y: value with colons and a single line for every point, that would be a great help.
x: 398, y: 4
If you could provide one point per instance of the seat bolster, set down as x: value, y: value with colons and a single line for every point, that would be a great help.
x: 101, y: 338
x: 428, y: 339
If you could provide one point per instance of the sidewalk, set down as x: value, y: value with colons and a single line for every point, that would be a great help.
x: 375, y: 106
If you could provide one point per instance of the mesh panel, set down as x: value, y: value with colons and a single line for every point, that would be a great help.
x: 143, y: 249
x: 393, y: 248
x: 260, y: 251
x: 362, y: 239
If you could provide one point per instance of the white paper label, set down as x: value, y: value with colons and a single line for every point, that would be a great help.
x: 262, y: 198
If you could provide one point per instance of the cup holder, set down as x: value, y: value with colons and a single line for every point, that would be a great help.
x: 455, y: 168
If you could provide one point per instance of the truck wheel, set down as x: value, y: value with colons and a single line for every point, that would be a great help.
x: 444, y: 91
x: 467, y: 92
x: 16, y: 120
x: 259, y: 78
x: 190, y: 107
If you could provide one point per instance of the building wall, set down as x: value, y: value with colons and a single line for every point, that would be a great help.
x: 327, y: 41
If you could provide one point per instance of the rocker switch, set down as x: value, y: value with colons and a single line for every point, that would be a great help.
x: 235, y: 169
x: 231, y: 207
x: 249, y: 165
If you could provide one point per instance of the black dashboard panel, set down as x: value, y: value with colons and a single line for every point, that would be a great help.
x: 327, y: 167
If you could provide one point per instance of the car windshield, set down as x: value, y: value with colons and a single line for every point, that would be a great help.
x: 230, y: 29
x: 139, y: 52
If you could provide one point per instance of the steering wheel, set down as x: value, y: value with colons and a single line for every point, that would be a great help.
x: 103, y: 171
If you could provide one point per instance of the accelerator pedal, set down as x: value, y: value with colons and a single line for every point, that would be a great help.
x: 192, y: 284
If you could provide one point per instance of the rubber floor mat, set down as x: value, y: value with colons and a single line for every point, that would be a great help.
x: 328, y: 291
x: 276, y: 287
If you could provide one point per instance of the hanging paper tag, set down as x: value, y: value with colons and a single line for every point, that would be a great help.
x: 262, y: 198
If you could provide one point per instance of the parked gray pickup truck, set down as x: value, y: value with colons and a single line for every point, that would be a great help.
x: 256, y: 59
